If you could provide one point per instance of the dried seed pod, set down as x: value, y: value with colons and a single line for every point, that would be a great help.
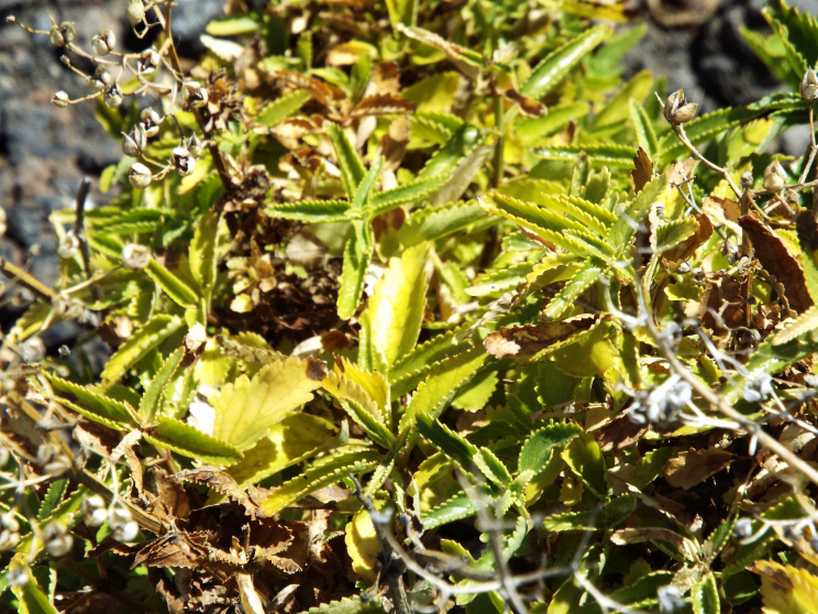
x: 135, y: 256
x: 62, y: 34
x: 17, y: 575
x: 93, y: 511
x: 151, y: 120
x: 113, y: 96
x: 104, y: 42
x: 809, y: 86
x: 775, y: 177
x: 136, y: 12
x: 58, y: 541
x: 60, y: 99
x: 135, y: 142
x: 195, y: 95
x: 677, y: 110
x: 69, y: 245
x: 9, y: 540
x: 148, y: 61
x: 140, y: 175
x: 182, y: 161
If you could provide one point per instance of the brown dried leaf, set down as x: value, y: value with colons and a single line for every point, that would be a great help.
x: 528, y: 340
x: 774, y: 257
x: 694, y: 466
x: 685, y: 249
x: 179, y: 549
x: 642, y: 169
x: 382, y: 104
x: 681, y: 172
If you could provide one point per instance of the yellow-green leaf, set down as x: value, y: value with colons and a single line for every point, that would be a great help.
x: 786, y: 589
x: 246, y: 409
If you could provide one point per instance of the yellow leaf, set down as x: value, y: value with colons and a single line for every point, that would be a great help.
x: 362, y: 545
x: 786, y: 589
x: 247, y: 409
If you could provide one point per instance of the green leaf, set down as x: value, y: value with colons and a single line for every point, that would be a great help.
x: 556, y: 65
x: 178, y: 291
x: 705, y: 595
x: 396, y: 308
x: 350, y: 164
x: 433, y: 223
x: 32, y: 598
x: 609, y: 154
x: 282, y: 108
x: 287, y: 443
x: 643, y: 128
x: 718, y: 539
x: 313, y: 211
x: 233, y: 26
x: 93, y: 404
x: 150, y: 403
x: 353, y: 389
x: 357, y: 256
x: 435, y: 93
x: 540, y: 444
x: 327, y: 469
x: 349, y: 605
x: 668, y: 235
x: 53, y: 497
x: 770, y: 358
x: 402, y: 11
x: 246, y: 409
x: 191, y: 442
x: 786, y: 589
x: 584, y: 457
x: 571, y: 291
x: 457, y: 507
x: 149, y: 337
x: 408, y: 194
x: 202, y: 252
x: 439, y: 388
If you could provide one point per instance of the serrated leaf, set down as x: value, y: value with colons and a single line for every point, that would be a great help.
x: 150, y: 402
x: 32, y: 598
x: 350, y: 164
x: 455, y: 508
x: 584, y: 457
x: 246, y: 409
x: 364, y: 404
x: 92, y: 403
x: 409, y: 194
x: 805, y: 323
x: 770, y: 358
x: 282, y: 108
x: 323, y: 471
x: 349, y: 605
x: 313, y: 211
x: 439, y: 388
x: 291, y: 441
x: 539, y: 446
x: 202, y: 252
x: 363, y: 545
x: 433, y: 223
x: 190, y: 442
x: 670, y: 234
x: 149, y: 337
x: 571, y: 291
x: 642, y: 128
x: 704, y: 595
x: 557, y: 64
x: 396, y: 308
x: 52, y: 498
x: 609, y: 154
x: 178, y: 291
x: 786, y: 589
x: 357, y: 256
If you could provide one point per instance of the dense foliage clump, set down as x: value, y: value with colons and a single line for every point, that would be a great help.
x: 420, y: 306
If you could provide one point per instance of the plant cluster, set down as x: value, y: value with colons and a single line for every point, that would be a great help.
x: 419, y: 306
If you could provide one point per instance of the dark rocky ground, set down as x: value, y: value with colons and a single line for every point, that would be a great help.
x: 44, y: 151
